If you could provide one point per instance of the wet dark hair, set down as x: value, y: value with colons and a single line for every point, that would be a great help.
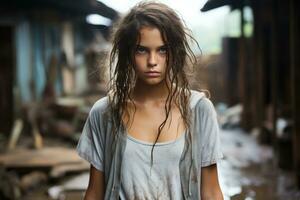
x: 125, y: 38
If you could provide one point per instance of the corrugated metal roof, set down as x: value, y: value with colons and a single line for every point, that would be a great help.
x: 212, y: 4
x: 78, y: 7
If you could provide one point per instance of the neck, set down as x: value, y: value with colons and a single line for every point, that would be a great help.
x: 146, y: 93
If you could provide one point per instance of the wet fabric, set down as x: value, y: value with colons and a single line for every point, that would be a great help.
x: 106, y: 151
x: 140, y: 180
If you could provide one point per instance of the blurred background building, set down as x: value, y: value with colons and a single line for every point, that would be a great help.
x: 52, y: 68
x: 44, y: 46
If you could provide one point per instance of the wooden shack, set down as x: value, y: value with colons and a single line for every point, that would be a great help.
x: 268, y: 72
x: 38, y: 38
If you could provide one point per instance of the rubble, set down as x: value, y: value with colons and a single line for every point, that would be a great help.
x: 77, y: 183
x: 9, y: 185
x: 32, y: 180
x: 33, y: 168
x: 230, y: 117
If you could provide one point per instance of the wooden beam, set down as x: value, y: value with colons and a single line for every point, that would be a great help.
x: 243, y: 75
x: 274, y: 71
x: 258, y: 55
x: 295, y: 82
x: 15, y: 134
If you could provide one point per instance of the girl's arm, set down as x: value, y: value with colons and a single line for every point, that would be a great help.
x: 210, y: 188
x: 96, y: 187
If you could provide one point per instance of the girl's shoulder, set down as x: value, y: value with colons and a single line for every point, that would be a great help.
x: 101, y: 104
x: 200, y: 102
x: 100, y: 107
x: 196, y: 97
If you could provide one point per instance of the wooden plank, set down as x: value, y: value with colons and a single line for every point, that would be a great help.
x: 15, y: 134
x: 46, y: 157
x: 78, y: 183
x: 38, y: 139
x: 63, y: 169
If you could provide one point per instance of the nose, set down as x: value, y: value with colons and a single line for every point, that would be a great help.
x: 152, y: 60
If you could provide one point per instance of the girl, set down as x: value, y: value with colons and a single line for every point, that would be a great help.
x: 151, y: 137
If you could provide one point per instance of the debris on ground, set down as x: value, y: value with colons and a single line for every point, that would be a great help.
x: 229, y: 117
x: 78, y: 183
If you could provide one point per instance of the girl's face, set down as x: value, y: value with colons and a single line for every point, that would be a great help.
x: 150, y: 57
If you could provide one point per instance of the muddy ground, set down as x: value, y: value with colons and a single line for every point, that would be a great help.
x: 247, y: 172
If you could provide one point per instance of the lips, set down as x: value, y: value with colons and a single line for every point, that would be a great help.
x: 152, y: 74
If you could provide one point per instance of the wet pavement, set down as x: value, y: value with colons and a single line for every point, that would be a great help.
x: 247, y: 172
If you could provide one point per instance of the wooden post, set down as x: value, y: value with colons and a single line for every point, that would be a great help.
x: 243, y: 78
x: 258, y: 64
x: 274, y: 71
x: 15, y: 134
x: 295, y: 82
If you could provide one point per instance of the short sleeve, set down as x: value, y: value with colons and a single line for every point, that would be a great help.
x: 210, y: 135
x: 91, y: 143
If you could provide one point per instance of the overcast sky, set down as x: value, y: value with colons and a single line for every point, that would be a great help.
x: 189, y: 9
x: 207, y: 27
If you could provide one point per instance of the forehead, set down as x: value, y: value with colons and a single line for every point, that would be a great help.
x: 150, y: 37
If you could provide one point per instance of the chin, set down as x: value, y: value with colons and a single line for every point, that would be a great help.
x: 152, y: 82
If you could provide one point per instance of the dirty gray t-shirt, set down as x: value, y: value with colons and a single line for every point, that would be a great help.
x: 91, y: 144
x: 162, y: 180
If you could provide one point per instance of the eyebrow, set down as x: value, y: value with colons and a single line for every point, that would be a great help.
x: 141, y: 46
